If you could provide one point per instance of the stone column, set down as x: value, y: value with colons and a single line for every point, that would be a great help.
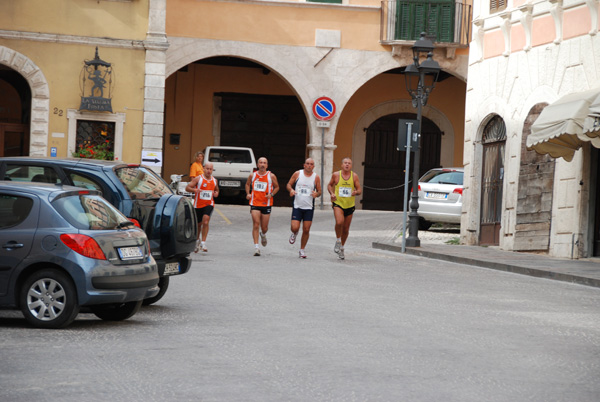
x: 154, y: 82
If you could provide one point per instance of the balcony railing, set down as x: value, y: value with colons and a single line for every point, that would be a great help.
x: 445, y: 22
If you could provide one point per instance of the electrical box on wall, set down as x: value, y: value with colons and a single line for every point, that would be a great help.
x: 174, y: 139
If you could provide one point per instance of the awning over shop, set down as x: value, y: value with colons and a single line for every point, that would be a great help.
x: 559, y: 130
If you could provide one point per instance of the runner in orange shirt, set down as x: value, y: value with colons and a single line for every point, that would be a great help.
x: 261, y: 186
x: 205, y: 189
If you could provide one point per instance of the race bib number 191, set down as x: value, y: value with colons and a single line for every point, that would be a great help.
x: 345, y: 192
x: 260, y: 186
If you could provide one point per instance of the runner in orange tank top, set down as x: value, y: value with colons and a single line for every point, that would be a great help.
x: 261, y: 186
x: 205, y: 189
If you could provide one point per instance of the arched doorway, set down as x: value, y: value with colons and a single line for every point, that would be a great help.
x: 15, y: 113
x: 494, y: 145
x: 384, y: 166
x: 231, y: 101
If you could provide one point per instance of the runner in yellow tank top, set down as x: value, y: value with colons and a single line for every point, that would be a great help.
x: 343, y: 187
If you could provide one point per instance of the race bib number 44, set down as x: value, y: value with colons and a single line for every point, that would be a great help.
x: 260, y: 186
x: 345, y: 192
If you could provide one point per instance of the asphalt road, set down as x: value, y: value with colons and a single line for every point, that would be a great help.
x: 379, y: 326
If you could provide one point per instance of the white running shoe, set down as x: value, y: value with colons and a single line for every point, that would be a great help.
x: 197, y: 246
x: 204, y: 249
x: 263, y: 239
x: 293, y: 238
x: 341, y: 254
x: 257, y: 252
x: 301, y: 254
x: 337, y: 247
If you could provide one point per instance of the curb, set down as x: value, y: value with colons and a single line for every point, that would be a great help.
x: 516, y: 269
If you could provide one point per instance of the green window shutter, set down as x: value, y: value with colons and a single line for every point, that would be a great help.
x: 435, y: 18
x: 404, y: 20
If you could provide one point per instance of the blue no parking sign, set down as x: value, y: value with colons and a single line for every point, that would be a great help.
x: 324, y: 108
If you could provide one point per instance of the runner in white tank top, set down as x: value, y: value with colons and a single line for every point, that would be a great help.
x: 304, y: 186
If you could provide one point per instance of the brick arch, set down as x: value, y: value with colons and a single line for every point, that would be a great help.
x: 40, y: 98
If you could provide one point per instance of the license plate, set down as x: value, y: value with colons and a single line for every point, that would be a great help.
x: 130, y: 253
x: 229, y: 183
x: 439, y: 196
x: 172, y: 268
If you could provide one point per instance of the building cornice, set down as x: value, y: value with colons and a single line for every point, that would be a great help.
x: 160, y: 44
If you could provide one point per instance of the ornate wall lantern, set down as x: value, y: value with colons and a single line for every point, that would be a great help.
x: 96, y: 80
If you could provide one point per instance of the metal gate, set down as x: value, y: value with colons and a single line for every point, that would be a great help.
x: 494, y: 144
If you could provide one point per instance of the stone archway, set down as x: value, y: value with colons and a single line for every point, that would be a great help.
x: 392, y: 107
x: 40, y: 98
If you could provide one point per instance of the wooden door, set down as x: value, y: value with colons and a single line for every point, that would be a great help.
x: 383, y: 181
x: 14, y: 139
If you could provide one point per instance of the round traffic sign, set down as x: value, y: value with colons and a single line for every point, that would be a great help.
x: 324, y: 108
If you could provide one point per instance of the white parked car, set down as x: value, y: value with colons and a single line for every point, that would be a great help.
x: 232, y: 166
x: 440, y: 196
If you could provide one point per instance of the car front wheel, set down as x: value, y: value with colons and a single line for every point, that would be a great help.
x: 117, y: 311
x: 48, y: 299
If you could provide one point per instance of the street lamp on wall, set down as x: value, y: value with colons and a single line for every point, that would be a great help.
x: 420, y: 78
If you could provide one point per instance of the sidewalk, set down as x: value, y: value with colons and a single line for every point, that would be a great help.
x: 583, y: 272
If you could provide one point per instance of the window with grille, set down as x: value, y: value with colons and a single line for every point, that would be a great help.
x: 96, y: 135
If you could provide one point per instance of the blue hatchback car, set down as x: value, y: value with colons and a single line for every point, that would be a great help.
x: 168, y: 219
x: 63, y: 248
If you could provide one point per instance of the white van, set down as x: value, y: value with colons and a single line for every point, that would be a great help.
x: 232, y: 166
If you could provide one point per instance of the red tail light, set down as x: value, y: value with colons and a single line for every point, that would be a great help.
x: 84, y: 245
x: 419, y: 188
x: 458, y: 191
x: 135, y: 222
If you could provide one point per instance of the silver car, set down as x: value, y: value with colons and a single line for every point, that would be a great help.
x: 440, y: 196
x: 64, y: 248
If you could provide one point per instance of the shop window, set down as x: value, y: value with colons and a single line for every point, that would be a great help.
x: 93, y: 129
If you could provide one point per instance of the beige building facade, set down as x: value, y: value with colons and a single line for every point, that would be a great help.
x: 188, y: 74
x: 524, y: 57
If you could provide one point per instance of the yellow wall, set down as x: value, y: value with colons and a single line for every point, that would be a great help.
x: 94, y: 18
x: 285, y: 24
x: 62, y: 64
x: 448, y: 97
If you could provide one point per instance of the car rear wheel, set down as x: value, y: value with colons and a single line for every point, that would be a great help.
x: 163, y: 285
x: 117, y: 311
x: 48, y: 299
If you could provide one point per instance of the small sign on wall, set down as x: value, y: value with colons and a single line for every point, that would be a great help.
x: 152, y: 158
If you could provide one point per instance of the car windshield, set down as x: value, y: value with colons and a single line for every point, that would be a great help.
x: 89, y: 212
x: 230, y: 156
x: 142, y: 183
x: 443, y: 177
